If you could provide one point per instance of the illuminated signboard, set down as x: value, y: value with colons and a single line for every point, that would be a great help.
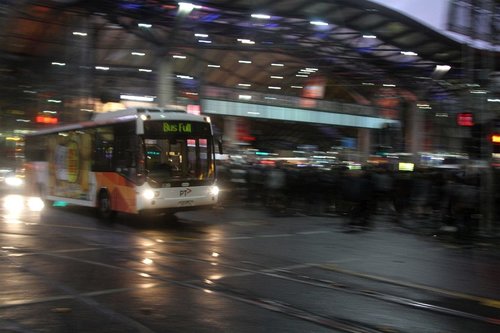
x: 178, y: 127
x: 158, y: 129
x: 406, y: 166
x: 495, y: 138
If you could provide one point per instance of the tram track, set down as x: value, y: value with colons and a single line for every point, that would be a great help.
x: 220, y: 288
x: 283, y: 273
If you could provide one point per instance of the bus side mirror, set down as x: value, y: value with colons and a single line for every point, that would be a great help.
x: 219, y: 143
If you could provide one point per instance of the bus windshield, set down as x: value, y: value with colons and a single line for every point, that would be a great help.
x: 184, y: 154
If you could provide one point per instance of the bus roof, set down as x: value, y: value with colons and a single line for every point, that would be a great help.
x: 171, y: 113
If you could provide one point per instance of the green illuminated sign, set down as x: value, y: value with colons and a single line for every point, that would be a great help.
x: 177, y: 128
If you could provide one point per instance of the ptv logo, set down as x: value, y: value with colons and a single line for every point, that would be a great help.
x: 184, y: 193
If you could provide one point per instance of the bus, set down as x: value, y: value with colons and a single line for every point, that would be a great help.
x: 135, y: 160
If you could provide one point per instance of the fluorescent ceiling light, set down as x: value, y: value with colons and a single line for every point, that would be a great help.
x: 54, y: 100
x: 409, y: 53
x: 319, y: 23
x: 140, y: 54
x: 78, y: 33
x: 244, y: 61
x: 144, y: 25
x: 201, y: 35
x: 102, y: 68
x: 245, y: 97
x: 49, y: 111
x: 147, y: 70
x: 277, y: 65
x: 369, y: 36
x: 205, y: 41
x: 301, y: 75
x: 261, y: 16
x: 274, y: 87
x: 179, y: 56
x: 138, y: 98
x: 244, y: 84
x: 276, y: 77
x: 55, y: 63
x: 213, y: 66
x: 442, y: 68
x: 297, y: 87
x: 187, y: 6
x: 245, y: 41
x: 187, y: 77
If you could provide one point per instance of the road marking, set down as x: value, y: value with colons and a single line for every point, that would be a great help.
x: 313, y: 232
x: 482, y: 300
x: 275, y: 235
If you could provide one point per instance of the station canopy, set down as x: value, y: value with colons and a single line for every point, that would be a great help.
x: 69, y: 48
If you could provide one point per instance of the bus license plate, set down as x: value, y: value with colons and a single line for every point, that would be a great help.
x: 185, y: 203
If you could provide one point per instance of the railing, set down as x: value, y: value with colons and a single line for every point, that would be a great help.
x: 246, y: 96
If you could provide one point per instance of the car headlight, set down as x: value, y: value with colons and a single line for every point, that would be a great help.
x: 214, y: 190
x: 148, y: 194
x: 14, y: 181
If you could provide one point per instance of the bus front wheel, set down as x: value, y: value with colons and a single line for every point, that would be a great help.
x: 104, y: 210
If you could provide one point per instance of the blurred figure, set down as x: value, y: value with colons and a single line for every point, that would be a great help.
x: 255, y: 183
x: 463, y: 204
x: 383, y: 186
x: 401, y: 195
x: 420, y: 193
x: 314, y: 194
x: 358, y: 189
x: 276, y: 186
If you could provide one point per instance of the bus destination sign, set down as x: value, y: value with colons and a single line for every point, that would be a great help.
x: 177, y: 128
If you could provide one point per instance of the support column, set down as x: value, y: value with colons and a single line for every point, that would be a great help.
x: 415, y: 133
x: 164, y: 82
x: 364, y: 144
x: 230, y: 132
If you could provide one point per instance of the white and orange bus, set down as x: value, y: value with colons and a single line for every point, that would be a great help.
x: 132, y: 161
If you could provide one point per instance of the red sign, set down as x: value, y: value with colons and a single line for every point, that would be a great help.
x: 465, y: 119
x: 46, y: 120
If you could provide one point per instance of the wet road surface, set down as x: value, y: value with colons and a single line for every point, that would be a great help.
x: 238, y: 269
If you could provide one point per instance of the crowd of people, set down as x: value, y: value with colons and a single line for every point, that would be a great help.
x: 448, y: 198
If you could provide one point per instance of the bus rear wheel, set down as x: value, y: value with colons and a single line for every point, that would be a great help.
x: 104, y: 210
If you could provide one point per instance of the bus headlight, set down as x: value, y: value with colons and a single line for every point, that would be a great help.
x: 148, y: 194
x: 214, y: 190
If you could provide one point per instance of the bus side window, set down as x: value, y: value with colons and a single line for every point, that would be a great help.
x: 126, y: 149
x: 103, y: 149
